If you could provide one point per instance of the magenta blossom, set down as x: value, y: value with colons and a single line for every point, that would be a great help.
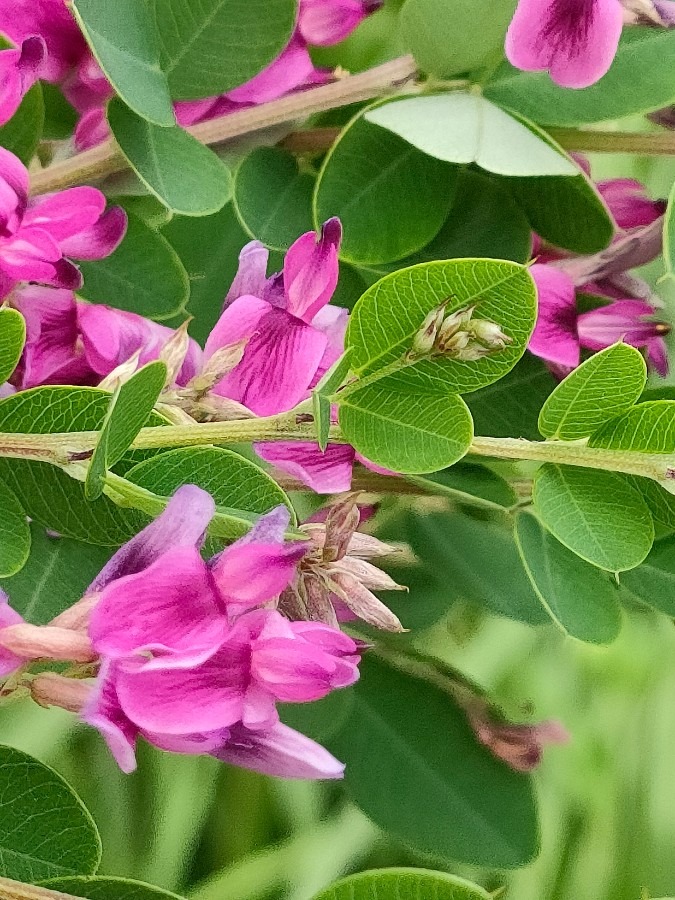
x: 629, y: 204
x: 38, y: 236
x: 324, y: 22
x: 19, y: 70
x: 575, y: 40
x: 69, y: 341
x: 561, y: 332
x: 196, y: 657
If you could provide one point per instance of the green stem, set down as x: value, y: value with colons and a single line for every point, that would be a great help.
x: 658, y: 143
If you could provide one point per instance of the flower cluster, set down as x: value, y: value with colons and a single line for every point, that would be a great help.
x: 193, y: 655
x: 51, y: 47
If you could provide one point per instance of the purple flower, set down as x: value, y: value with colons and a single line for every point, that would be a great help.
x: 194, y: 655
x: 629, y: 204
x: 325, y: 22
x: 19, y: 70
x: 37, y: 236
x: 561, y: 331
x: 575, y: 40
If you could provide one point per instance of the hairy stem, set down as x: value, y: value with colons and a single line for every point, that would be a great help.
x: 655, y: 143
x: 106, y: 159
x: 17, y: 890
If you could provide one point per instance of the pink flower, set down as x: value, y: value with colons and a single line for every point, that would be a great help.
x: 575, y: 40
x: 195, y: 657
x: 9, y: 662
x: 629, y: 204
x: 561, y: 331
x: 38, y: 236
x: 51, y: 19
x: 19, y: 70
x: 72, y: 342
x: 324, y: 22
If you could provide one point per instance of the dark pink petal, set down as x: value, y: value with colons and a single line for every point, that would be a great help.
x: 13, y: 185
x: 249, y: 575
x: 205, y: 698
x: 328, y: 472
x: 280, y: 359
x: 628, y: 202
x: 288, y: 71
x: 18, y: 73
x: 657, y: 356
x: 625, y: 320
x: 555, y: 336
x: 331, y: 321
x: 30, y: 255
x: 168, y: 609
x: 53, y: 21
x: 66, y: 275
x: 92, y: 129
x: 325, y: 22
x: 9, y: 662
x: 100, y: 239
x: 183, y: 523
x: 51, y: 354
x: 193, y: 744
x: 66, y: 213
x: 189, y: 112
x: 103, y: 712
x: 311, y: 270
x: 281, y: 752
x: 576, y: 40
x: 251, y: 277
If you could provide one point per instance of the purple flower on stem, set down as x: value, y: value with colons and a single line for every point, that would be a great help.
x: 575, y: 40
x: 561, y: 331
x: 325, y: 22
x: 19, y: 70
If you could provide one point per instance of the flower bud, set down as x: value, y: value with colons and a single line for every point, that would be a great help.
x: 490, y: 334
x: 218, y: 366
x: 424, y: 340
x: 46, y: 642
x: 50, y: 689
x: 364, y: 604
x: 174, y: 352
x: 341, y: 523
x: 120, y: 374
x: 472, y: 352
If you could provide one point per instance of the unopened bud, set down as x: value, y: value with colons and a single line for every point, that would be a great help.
x: 455, y: 322
x: 341, y: 522
x: 424, y: 340
x: 472, y: 352
x: 490, y: 334
x: 519, y: 746
x: 77, y: 616
x: 173, y: 353
x: 121, y: 374
x: 50, y: 689
x: 318, y: 600
x: 47, y: 642
x: 368, y: 574
x: 218, y: 366
x: 453, y: 342
x: 363, y: 603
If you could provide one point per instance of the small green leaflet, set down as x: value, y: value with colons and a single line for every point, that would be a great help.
x: 330, y: 382
x: 403, y: 884
x: 469, y: 484
x: 654, y: 581
x: 669, y: 235
x: 129, y: 410
x: 14, y: 533
x: 601, y: 516
x: 579, y: 597
x: 124, y: 41
x: 465, y: 128
x: 45, y: 829
x: 22, y: 133
x: 183, y: 174
x: 604, y: 386
x: 647, y: 428
x: 12, y: 339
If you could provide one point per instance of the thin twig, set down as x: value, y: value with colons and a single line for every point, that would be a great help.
x: 17, y: 890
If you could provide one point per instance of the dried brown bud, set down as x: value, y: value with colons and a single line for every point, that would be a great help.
x: 425, y: 339
x: 490, y: 334
x: 341, y: 522
x: 120, y: 374
x: 362, y: 602
x: 218, y: 366
x: 173, y: 353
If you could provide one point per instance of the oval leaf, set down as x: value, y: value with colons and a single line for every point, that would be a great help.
x: 273, y: 198
x: 240, y: 489
x: 45, y: 829
x: 144, y: 275
x: 391, y: 198
x: 14, y: 533
x: 403, y: 884
x: 600, y: 516
x: 212, y: 46
x: 470, y: 484
x: 647, y: 428
x: 579, y: 597
x: 106, y: 887
x: 409, y: 434
x: 450, y: 796
x: 183, y: 174
x: 604, y: 386
x: 654, y: 581
x: 12, y: 339
x: 391, y: 312
x: 466, y: 128
x: 23, y: 132
x: 637, y: 82
x: 124, y: 41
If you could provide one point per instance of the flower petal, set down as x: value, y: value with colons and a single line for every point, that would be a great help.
x: 327, y: 472
x: 103, y: 712
x: 66, y: 213
x: 9, y: 662
x: 628, y: 202
x: 555, y: 337
x: 311, y: 270
x: 251, y: 277
x: 100, y: 239
x: 287, y: 72
x: 326, y: 22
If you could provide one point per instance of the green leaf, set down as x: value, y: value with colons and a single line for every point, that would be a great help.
x: 602, y: 387
x: 394, y: 429
x: 446, y: 39
x: 647, y: 428
x: 441, y: 791
x: 22, y: 134
x: 661, y: 502
x: 403, y: 884
x: 273, y: 197
x: 144, y: 275
x: 637, y: 82
x: 321, y: 406
x: 471, y: 485
x: 579, y: 597
x: 14, y: 533
x: 240, y: 489
x: 654, y: 581
x: 107, y: 887
x: 465, y: 128
x: 209, y: 249
x: 46, y: 493
x: 476, y: 561
x: 45, y: 829
x: 391, y: 312
x: 12, y: 339
x: 129, y: 410
x: 600, y: 516
x: 510, y: 407
x: 183, y: 174
x: 321, y: 719
x: 60, y: 116
x: 669, y: 235
x: 392, y: 199
x: 124, y: 41
x: 57, y: 574
x: 210, y: 47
